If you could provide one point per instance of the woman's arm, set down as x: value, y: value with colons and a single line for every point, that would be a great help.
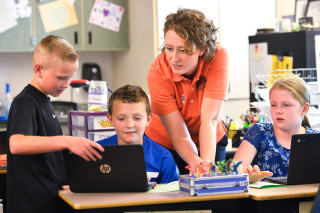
x: 210, y: 116
x: 179, y: 134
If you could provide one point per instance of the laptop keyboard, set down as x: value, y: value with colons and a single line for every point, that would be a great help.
x: 280, y: 180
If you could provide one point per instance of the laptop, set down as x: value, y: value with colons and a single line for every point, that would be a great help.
x: 121, y: 169
x: 304, y: 161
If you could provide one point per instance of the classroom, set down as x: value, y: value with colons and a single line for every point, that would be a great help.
x: 118, y: 43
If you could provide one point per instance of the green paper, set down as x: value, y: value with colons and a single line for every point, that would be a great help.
x: 265, y: 184
x: 165, y: 187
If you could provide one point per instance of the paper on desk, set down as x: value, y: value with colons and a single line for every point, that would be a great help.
x: 265, y: 184
x: 165, y: 187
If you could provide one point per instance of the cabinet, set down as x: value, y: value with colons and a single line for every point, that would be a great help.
x: 299, y: 45
x: 83, y: 36
x: 17, y: 38
x: 98, y: 38
x: 71, y: 34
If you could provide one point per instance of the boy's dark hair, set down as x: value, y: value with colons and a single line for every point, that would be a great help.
x: 129, y: 94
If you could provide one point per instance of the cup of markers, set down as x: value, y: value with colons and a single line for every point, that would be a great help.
x: 249, y: 119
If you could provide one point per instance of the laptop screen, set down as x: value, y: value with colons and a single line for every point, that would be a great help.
x: 304, y: 161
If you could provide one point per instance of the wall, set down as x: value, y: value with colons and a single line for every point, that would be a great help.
x: 285, y: 7
x: 132, y: 66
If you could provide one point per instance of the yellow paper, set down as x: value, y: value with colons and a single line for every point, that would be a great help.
x: 57, y: 15
x: 280, y: 68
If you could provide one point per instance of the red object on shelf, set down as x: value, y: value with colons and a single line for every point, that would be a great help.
x: 79, y: 83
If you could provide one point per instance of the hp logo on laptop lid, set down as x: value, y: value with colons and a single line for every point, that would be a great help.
x: 105, y: 168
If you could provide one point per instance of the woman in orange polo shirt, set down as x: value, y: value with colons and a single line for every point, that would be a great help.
x: 188, y: 84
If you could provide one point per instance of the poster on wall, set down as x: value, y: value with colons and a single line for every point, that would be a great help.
x: 20, y: 9
x: 107, y: 15
x: 7, y: 19
x: 57, y: 15
x: 259, y: 62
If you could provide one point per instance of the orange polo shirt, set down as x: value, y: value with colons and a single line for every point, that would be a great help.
x: 170, y: 92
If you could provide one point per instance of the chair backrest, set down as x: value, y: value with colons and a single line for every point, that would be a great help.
x: 3, y: 142
x: 61, y: 108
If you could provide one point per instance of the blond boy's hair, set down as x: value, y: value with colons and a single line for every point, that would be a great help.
x: 129, y: 94
x: 54, y: 46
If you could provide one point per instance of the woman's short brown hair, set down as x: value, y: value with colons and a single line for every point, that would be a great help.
x: 193, y: 26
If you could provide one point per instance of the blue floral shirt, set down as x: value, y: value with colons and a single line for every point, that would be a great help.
x: 271, y: 155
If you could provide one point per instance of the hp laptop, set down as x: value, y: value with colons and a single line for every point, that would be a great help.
x: 121, y: 169
x: 304, y: 161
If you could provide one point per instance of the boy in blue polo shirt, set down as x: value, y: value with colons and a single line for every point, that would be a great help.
x: 129, y: 112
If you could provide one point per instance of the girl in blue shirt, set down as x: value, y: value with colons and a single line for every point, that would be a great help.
x: 267, y: 145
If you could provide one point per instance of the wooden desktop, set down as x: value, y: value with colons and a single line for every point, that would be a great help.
x: 169, y: 201
x: 277, y: 199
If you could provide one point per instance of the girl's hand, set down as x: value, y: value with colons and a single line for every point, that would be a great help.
x: 255, y: 174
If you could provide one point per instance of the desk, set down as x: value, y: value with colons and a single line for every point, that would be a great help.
x: 279, y: 199
x: 121, y: 202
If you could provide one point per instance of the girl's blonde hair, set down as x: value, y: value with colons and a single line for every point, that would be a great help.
x: 299, y: 89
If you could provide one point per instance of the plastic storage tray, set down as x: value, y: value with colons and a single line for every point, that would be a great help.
x: 92, y: 125
x: 212, y: 185
x: 93, y: 135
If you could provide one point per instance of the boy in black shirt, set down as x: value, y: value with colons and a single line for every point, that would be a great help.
x: 36, y: 169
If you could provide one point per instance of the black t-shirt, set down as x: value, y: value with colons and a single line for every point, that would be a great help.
x: 33, y: 181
